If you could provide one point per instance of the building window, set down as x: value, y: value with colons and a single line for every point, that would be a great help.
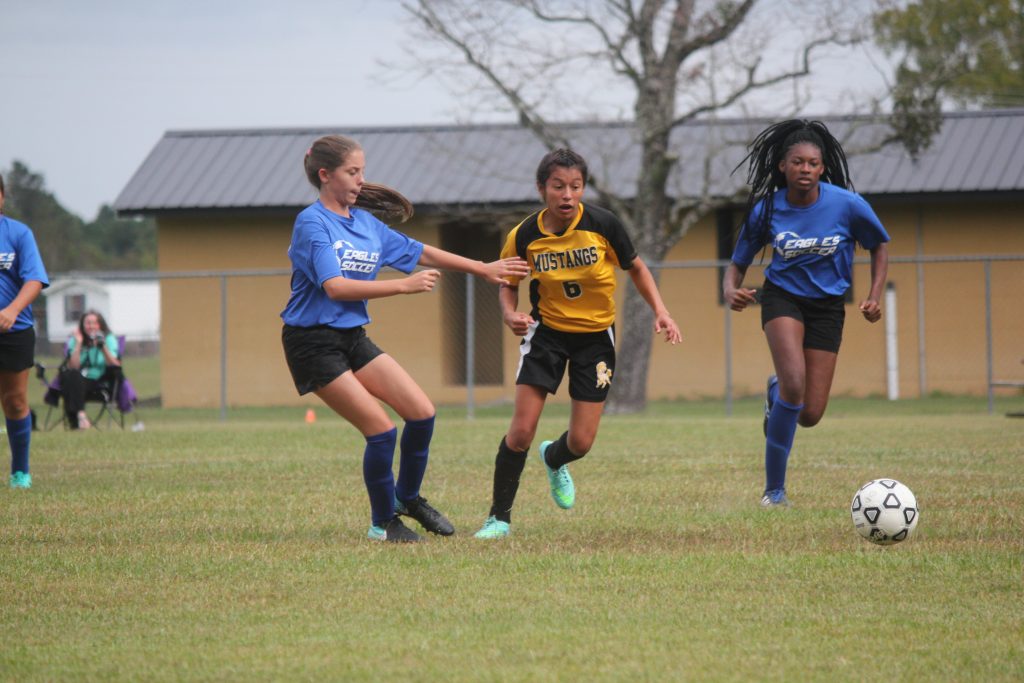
x: 74, y: 307
x: 475, y: 241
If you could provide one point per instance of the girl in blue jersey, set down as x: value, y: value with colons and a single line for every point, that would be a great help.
x: 799, y: 204
x: 22, y: 277
x: 336, y: 251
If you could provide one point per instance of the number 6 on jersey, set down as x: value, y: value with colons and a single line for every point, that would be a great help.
x: 572, y: 289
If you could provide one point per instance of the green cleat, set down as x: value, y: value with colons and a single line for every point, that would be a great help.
x: 493, y: 528
x: 21, y: 480
x: 562, y: 489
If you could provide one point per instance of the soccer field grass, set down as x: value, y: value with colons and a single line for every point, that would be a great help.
x: 207, y: 550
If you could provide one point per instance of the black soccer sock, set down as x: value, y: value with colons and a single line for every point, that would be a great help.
x: 558, y: 453
x: 508, y: 466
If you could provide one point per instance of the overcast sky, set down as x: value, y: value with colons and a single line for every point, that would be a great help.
x: 89, y: 87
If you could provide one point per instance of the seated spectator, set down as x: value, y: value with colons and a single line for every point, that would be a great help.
x: 92, y: 361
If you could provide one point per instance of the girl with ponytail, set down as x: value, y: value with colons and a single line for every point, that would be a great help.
x: 338, y: 246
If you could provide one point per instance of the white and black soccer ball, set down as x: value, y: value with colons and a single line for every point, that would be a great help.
x: 884, y: 511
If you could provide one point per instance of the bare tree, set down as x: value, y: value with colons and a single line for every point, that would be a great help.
x: 552, y: 61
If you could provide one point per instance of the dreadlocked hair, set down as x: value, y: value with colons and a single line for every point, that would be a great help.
x: 330, y: 152
x: 767, y: 151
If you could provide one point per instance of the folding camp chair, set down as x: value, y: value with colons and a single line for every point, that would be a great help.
x: 115, y: 398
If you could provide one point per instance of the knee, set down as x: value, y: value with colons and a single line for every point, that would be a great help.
x: 420, y: 413
x: 809, y: 418
x: 580, y: 444
x: 791, y: 389
x: 15, y: 405
x: 519, y: 438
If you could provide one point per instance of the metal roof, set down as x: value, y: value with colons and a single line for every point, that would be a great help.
x: 487, y: 165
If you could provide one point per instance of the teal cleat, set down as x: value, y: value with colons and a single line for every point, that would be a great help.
x: 393, y: 531
x: 493, y: 528
x: 21, y: 480
x: 562, y: 489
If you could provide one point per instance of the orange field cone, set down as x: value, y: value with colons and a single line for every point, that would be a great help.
x: 310, y: 416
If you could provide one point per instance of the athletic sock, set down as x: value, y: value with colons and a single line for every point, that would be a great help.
x: 558, y: 453
x: 380, y: 482
x: 508, y: 467
x: 414, y: 449
x: 781, y: 428
x: 19, y: 435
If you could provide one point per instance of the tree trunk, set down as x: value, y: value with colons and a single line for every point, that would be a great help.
x: 633, y: 332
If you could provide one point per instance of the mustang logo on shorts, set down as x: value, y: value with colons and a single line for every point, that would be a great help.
x: 604, y: 375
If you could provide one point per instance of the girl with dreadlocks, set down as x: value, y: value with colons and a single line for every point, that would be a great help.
x: 802, y: 203
x: 337, y: 248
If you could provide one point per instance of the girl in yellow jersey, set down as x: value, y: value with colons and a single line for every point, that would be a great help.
x: 573, y: 250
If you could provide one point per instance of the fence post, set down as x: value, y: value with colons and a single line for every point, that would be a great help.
x: 470, y: 346
x: 892, y: 352
x: 922, y: 359
x: 728, y: 360
x: 223, y: 347
x: 988, y: 335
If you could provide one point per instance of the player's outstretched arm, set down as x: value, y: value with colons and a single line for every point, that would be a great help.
x: 644, y: 283
x: 495, y: 272
x: 343, y: 289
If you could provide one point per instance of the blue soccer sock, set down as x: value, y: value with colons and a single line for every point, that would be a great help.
x: 781, y: 428
x: 380, y: 482
x: 414, y: 449
x: 19, y: 435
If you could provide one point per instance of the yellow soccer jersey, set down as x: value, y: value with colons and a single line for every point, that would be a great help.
x: 572, y: 275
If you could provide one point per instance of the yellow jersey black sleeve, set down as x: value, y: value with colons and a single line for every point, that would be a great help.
x: 572, y: 274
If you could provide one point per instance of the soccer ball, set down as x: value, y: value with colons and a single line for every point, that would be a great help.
x: 884, y: 511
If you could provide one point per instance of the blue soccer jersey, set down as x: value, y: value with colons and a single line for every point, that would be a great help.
x: 812, y: 246
x: 325, y: 245
x: 19, y: 263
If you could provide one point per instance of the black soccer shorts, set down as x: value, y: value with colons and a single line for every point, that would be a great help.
x: 319, y: 355
x: 590, y: 356
x: 823, y: 319
x: 17, y: 350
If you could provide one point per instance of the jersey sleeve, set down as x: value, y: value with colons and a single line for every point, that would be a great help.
x: 623, y: 251
x: 747, y: 244
x: 510, y: 251
x: 312, y: 252
x: 865, y: 226
x: 398, y: 250
x: 30, y: 263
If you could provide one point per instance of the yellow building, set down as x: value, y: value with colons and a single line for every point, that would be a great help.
x: 224, y: 203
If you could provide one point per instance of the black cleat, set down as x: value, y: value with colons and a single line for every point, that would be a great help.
x: 393, y: 532
x: 424, y: 513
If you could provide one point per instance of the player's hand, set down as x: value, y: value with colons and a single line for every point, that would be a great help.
x: 496, y: 272
x: 519, y: 323
x: 8, y: 318
x: 421, y: 281
x: 664, y: 323
x: 871, y: 311
x: 739, y: 298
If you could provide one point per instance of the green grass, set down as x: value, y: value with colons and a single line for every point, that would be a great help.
x: 236, y: 550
